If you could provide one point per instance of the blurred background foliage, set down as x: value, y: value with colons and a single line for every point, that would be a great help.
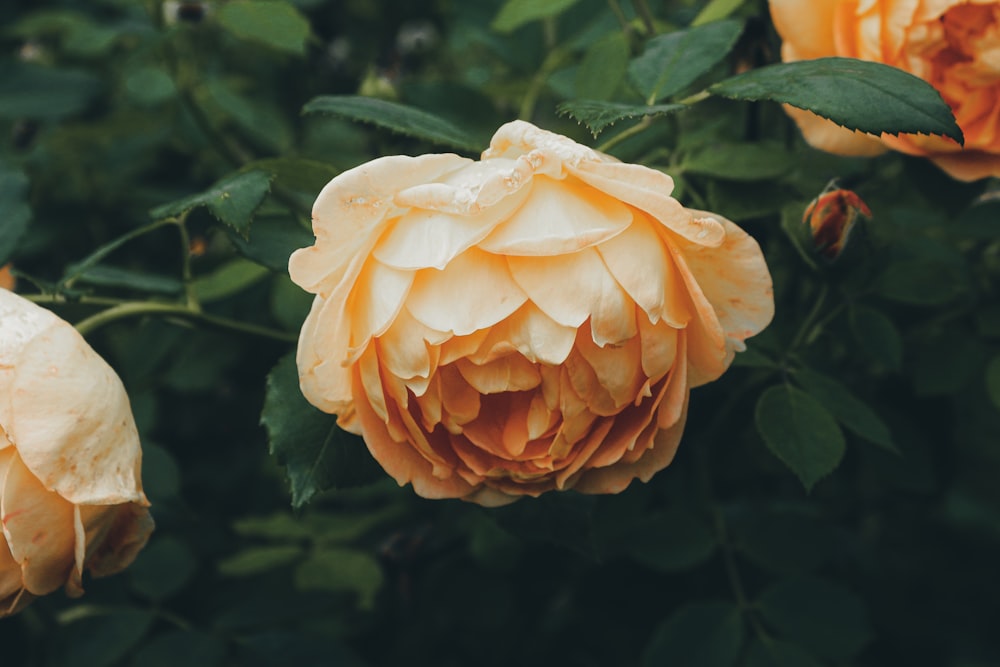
x: 178, y: 127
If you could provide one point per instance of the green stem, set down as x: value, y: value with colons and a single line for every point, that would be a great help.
x: 805, y: 331
x: 140, y: 308
x: 189, y: 291
x: 638, y: 128
x: 642, y: 9
x: 538, y: 83
x: 616, y: 9
x: 86, y: 263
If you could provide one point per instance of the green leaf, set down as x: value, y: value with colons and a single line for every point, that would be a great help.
x: 395, y: 117
x: 603, y: 68
x: 316, y: 453
x: 671, y: 541
x: 516, y: 13
x: 852, y: 412
x: 878, y: 336
x: 160, y: 474
x: 233, y: 200
x: 777, y: 654
x: 758, y: 161
x: 298, y: 174
x: 946, y: 363
x: 29, y: 90
x: 272, y: 240
x: 276, y: 25
x: 566, y: 519
x: 993, y: 380
x: 14, y: 210
x: 114, y: 276
x: 800, y: 432
x: 341, y: 570
x: 707, y: 634
x: 163, y: 568
x: 672, y: 62
x: 231, y: 278
x: 716, y: 10
x: 181, y: 647
x: 99, y: 639
x: 598, y: 115
x: 827, y: 620
x: 860, y: 95
x: 257, y: 560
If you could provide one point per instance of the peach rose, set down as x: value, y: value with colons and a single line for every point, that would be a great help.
x: 528, y: 322
x: 70, y: 493
x: 952, y: 44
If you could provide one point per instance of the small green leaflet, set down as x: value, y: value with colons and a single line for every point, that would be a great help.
x: 234, y: 200
x: 599, y: 115
x: 394, y: 117
x: 859, y: 95
x: 799, y: 431
x: 276, y: 25
x: 853, y: 413
x: 715, y: 10
x: 707, y: 634
x: 674, y: 61
x: 516, y: 13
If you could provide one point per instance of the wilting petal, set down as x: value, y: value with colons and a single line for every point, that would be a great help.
x: 38, y: 527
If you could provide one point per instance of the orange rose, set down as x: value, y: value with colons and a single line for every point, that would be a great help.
x: 528, y: 322
x: 70, y: 493
x: 952, y: 44
x: 7, y: 280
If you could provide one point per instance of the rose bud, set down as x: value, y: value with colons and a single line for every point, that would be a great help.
x: 831, y: 217
x: 528, y: 322
x: 952, y: 44
x: 70, y: 492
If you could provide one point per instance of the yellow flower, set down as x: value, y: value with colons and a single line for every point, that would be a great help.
x: 528, y: 322
x: 952, y: 44
x: 70, y: 491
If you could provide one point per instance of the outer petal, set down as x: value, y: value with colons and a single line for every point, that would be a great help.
x: 38, y: 527
x: 806, y: 25
x: 68, y: 414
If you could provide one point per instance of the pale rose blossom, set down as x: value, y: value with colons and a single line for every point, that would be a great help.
x: 70, y: 491
x: 528, y: 322
x: 952, y: 44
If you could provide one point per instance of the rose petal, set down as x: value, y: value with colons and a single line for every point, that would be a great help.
x: 558, y: 217
x: 453, y: 300
x: 808, y: 26
x: 38, y: 527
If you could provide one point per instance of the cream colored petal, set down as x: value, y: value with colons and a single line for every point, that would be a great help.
x: 558, y: 217
x: 38, y: 526
x: 376, y: 300
x: 472, y: 190
x: 640, y: 264
x: 324, y: 377
x: 431, y: 238
x: 404, y: 464
x: 570, y: 288
x: 659, y: 348
x: 4, y: 442
x: 352, y: 209
x: 806, y: 24
x: 735, y: 279
x: 530, y: 332
x: 70, y: 420
x: 368, y: 370
x: 460, y: 401
x: 828, y: 136
x: 403, y: 348
x: 510, y: 373
x: 649, y: 190
x: 969, y: 165
x: 547, y: 152
x: 10, y: 569
x: 473, y: 292
x: 618, y: 368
